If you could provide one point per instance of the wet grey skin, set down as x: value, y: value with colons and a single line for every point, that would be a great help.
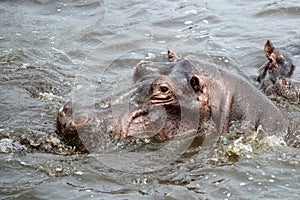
x: 168, y: 99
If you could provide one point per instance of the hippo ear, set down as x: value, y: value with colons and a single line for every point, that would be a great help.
x: 268, y: 48
x: 198, y: 84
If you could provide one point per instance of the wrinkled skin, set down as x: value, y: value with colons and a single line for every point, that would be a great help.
x: 169, y: 99
x: 274, y: 76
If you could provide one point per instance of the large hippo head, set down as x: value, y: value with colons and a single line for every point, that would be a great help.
x: 165, y: 99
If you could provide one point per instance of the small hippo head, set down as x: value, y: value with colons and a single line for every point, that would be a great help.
x: 280, y: 62
x: 165, y: 99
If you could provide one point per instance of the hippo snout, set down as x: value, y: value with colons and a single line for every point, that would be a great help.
x: 140, y: 123
x: 68, y: 125
x: 66, y: 117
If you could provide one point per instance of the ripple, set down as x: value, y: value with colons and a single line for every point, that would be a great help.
x: 289, y: 11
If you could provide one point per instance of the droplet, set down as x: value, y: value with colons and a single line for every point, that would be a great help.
x: 179, y: 36
x: 59, y: 169
x: 188, y: 22
x: 193, y: 12
x: 79, y: 172
x: 150, y: 56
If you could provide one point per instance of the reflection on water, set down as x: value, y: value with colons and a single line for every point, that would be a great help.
x: 48, y: 49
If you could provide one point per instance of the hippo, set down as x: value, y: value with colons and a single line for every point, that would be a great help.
x: 275, y: 75
x: 279, y: 65
x: 168, y: 99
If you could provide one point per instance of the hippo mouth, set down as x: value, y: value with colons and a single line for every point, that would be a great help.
x: 151, y: 118
x: 143, y: 122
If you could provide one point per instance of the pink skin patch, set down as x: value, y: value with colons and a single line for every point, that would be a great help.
x: 82, y: 119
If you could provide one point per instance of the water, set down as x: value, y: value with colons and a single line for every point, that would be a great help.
x: 51, y: 50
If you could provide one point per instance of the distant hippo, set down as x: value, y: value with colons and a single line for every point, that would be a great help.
x: 169, y: 99
x: 274, y: 75
x: 279, y: 65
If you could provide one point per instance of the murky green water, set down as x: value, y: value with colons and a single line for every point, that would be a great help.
x: 51, y: 51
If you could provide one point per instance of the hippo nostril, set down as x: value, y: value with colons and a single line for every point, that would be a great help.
x: 82, y: 119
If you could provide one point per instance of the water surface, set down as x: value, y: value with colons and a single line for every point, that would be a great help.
x: 51, y: 51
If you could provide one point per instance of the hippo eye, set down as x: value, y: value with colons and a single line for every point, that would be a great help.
x: 164, y: 89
